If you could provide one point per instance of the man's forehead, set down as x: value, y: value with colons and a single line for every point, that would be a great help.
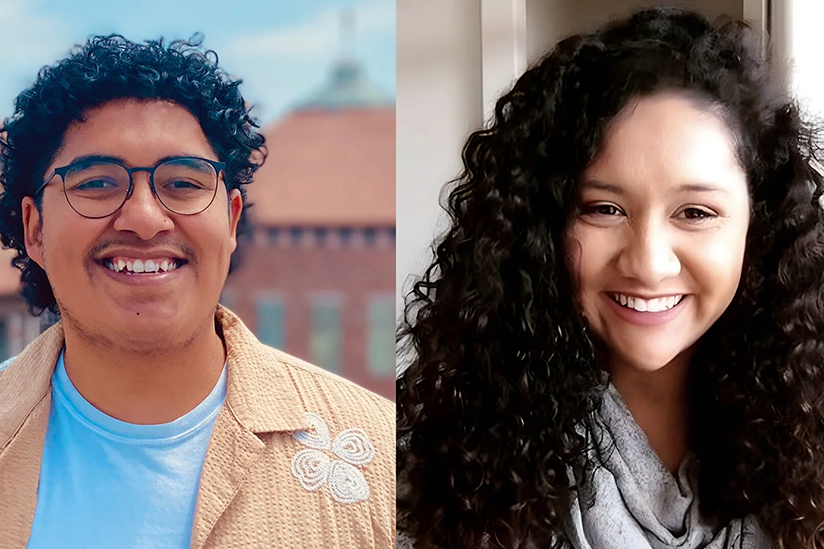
x: 102, y: 158
x: 135, y: 131
x: 136, y: 104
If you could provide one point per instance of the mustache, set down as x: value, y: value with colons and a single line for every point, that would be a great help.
x: 99, y: 249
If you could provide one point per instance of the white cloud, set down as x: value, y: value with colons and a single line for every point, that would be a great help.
x: 318, y: 36
x: 30, y: 37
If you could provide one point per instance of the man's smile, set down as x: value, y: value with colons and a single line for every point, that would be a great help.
x: 131, y: 261
x: 130, y: 265
x: 142, y: 268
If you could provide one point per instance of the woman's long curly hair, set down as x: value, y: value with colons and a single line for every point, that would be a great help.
x: 501, y: 366
x: 106, y: 68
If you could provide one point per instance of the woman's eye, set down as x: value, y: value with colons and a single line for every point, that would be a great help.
x: 605, y: 209
x: 697, y: 214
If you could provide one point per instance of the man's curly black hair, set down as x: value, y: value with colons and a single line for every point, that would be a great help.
x: 106, y: 68
x: 501, y: 366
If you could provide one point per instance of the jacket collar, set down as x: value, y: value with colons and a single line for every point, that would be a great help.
x: 261, y: 393
x: 27, y: 380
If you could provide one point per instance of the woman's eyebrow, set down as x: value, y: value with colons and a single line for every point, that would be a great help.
x: 685, y: 188
x: 601, y: 186
x: 702, y: 188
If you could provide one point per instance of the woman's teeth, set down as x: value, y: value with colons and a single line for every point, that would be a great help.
x: 655, y: 305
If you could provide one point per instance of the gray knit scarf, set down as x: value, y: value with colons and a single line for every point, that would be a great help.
x: 631, y: 501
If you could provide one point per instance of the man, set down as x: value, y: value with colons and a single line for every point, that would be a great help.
x: 149, y: 416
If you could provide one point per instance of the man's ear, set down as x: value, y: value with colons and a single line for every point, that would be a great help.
x: 33, y: 230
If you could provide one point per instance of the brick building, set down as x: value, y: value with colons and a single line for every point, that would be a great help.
x: 317, y: 277
x: 17, y: 326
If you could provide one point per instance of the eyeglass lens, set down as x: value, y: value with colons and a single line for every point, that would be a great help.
x: 183, y: 185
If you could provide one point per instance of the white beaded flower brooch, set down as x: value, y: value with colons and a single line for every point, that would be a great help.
x: 313, y: 467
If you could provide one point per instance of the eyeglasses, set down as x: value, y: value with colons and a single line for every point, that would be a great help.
x: 97, y: 187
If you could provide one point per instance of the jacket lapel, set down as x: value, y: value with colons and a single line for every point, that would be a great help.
x: 232, y: 451
x: 20, y: 476
x: 260, y: 398
x: 25, y: 403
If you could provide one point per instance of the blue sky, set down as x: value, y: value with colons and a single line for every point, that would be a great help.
x: 282, y: 49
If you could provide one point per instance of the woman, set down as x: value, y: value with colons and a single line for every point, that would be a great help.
x: 617, y: 343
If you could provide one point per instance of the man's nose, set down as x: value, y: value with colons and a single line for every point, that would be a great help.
x: 142, y: 213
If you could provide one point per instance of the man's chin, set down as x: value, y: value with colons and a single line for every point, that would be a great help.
x: 147, y: 334
x: 150, y: 319
x: 148, y: 310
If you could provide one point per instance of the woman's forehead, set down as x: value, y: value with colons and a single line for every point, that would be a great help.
x: 666, y: 140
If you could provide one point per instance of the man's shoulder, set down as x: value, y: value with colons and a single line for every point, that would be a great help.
x: 334, y: 467
x: 320, y: 385
x: 316, y: 389
x: 346, y: 418
x: 339, y: 405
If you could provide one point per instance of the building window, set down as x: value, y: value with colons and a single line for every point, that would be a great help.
x: 296, y: 234
x: 271, y: 317
x: 321, y: 236
x: 386, y: 238
x: 370, y: 234
x: 273, y: 235
x: 345, y: 236
x: 325, y: 340
x: 381, y: 339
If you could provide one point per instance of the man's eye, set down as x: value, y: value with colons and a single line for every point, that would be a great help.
x: 94, y: 184
x: 182, y: 184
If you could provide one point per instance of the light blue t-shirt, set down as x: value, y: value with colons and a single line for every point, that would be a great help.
x: 105, y: 483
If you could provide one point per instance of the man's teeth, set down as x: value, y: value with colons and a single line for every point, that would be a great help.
x: 655, y: 305
x: 140, y: 266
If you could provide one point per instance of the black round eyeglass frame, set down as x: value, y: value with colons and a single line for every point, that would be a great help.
x: 63, y: 170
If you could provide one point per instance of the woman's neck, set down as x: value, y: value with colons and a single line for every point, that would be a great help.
x: 658, y: 401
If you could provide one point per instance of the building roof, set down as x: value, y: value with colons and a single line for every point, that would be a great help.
x: 347, y: 88
x: 328, y: 168
x: 332, y: 159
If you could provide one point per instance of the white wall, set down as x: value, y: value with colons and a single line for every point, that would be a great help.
x: 551, y: 20
x: 439, y: 101
x: 805, y: 54
x: 455, y: 57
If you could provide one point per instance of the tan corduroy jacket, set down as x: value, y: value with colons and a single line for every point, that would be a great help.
x: 298, y: 458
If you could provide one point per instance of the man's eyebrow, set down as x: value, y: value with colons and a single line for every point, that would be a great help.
x: 89, y: 158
